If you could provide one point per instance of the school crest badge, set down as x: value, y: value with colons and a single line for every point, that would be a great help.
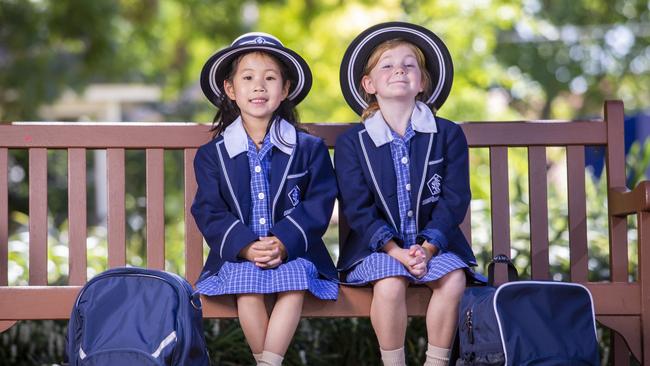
x: 294, y: 196
x: 434, y: 185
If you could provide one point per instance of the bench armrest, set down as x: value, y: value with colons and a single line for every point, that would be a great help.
x: 623, y: 202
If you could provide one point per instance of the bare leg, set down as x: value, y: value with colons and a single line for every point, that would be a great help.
x: 284, y: 321
x: 254, y: 319
x: 442, y: 313
x: 388, y: 312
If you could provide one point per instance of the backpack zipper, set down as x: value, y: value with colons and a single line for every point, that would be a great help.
x: 469, y: 325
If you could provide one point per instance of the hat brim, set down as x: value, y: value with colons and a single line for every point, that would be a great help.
x: 216, y: 70
x: 437, y: 58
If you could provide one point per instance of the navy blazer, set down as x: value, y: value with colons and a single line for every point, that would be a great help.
x: 222, y: 205
x: 368, y: 194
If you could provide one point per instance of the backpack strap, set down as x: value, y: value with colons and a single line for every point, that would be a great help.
x: 502, y: 258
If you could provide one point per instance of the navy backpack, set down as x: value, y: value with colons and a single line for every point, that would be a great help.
x: 527, y: 323
x: 136, y: 316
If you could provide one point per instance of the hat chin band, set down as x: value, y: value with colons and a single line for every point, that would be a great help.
x: 300, y: 80
x: 441, y: 72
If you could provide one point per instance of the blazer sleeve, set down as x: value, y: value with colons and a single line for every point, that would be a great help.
x: 356, y: 197
x: 223, y: 231
x: 455, y: 196
x: 309, y: 219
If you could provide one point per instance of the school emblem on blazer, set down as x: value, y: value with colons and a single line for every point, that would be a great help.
x: 294, y: 196
x: 434, y: 185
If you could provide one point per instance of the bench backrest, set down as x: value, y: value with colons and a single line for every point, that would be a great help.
x: 536, y: 136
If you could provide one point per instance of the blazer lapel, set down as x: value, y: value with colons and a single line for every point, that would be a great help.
x: 380, y: 164
x: 280, y: 164
x: 420, y: 151
x: 237, y: 176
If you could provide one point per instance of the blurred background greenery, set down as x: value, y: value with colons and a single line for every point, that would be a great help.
x: 533, y: 59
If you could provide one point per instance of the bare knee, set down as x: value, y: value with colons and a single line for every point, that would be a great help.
x: 250, y: 298
x: 451, y: 286
x: 390, y: 289
x: 291, y: 296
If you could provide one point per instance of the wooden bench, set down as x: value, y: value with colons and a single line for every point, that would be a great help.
x: 620, y: 304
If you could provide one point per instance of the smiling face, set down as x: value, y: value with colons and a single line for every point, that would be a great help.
x: 257, y: 86
x: 396, y: 75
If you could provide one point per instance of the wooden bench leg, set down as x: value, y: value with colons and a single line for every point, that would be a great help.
x: 625, y: 338
x: 619, y: 352
x: 6, y: 324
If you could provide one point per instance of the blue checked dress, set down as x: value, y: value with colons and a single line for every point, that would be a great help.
x: 380, y: 265
x: 245, y: 277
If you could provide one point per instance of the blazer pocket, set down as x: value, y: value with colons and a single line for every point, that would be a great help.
x: 429, y: 200
x: 437, y: 161
x: 297, y: 175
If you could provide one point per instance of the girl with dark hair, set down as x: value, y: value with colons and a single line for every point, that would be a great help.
x: 265, y: 193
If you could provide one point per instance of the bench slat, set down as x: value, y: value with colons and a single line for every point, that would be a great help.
x: 155, y: 177
x: 77, y: 216
x: 643, y: 236
x: 38, y: 216
x: 116, y: 215
x: 101, y: 135
x: 538, y: 197
x: 615, y: 160
x: 466, y: 225
x: 487, y: 134
x: 500, y: 202
x: 4, y: 217
x: 577, y: 213
x: 29, y: 302
x: 193, y: 238
x: 133, y: 135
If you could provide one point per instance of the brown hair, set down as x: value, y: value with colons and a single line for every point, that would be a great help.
x: 373, y: 106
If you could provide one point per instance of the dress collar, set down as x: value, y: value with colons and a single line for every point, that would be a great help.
x: 422, y: 120
x: 236, y: 139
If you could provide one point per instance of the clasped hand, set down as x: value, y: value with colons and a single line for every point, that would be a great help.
x: 415, y: 259
x: 267, y: 252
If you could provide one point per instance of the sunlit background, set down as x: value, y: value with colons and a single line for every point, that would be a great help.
x: 139, y: 61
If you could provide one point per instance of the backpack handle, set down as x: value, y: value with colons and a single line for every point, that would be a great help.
x: 502, y: 258
x: 195, y: 300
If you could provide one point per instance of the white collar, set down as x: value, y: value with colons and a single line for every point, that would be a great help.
x: 236, y: 139
x: 422, y: 120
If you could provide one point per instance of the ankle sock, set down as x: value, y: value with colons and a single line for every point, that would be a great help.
x: 437, y: 356
x: 394, y: 357
x: 270, y: 358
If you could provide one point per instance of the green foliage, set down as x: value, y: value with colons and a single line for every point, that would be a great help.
x: 532, y: 59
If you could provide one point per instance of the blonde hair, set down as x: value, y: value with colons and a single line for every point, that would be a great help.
x: 373, y: 106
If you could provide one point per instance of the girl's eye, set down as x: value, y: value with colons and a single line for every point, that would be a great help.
x: 247, y: 77
x: 386, y: 66
x: 270, y: 78
x: 410, y: 66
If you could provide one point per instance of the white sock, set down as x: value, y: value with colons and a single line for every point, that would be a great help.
x: 270, y: 358
x: 257, y: 357
x: 393, y: 358
x: 437, y: 356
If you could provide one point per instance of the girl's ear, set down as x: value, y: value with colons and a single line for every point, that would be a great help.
x: 285, y: 89
x: 229, y: 89
x: 367, y: 85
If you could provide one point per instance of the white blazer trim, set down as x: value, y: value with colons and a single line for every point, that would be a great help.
x: 297, y: 175
x: 424, y: 175
x: 223, y: 240
x: 374, y: 180
x: 225, y: 172
x: 277, y: 194
x: 304, y: 236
